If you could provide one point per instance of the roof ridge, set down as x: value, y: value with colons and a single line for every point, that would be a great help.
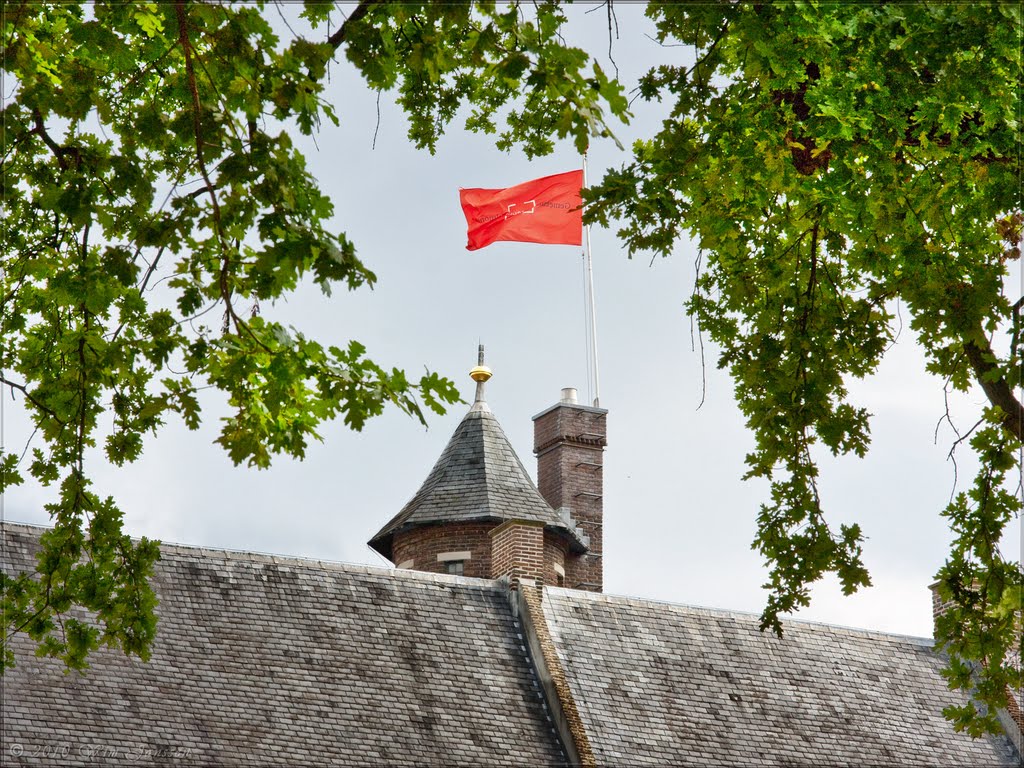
x: 437, y: 470
x: 489, y: 497
x: 734, y: 613
x: 271, y: 558
x: 490, y: 488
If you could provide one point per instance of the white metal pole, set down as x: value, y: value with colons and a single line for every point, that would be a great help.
x: 593, y: 313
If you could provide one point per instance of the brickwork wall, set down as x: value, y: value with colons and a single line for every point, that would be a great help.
x: 939, y: 607
x: 1013, y: 697
x: 554, y: 553
x: 569, y: 442
x: 524, y: 550
x: 517, y: 551
x: 423, y: 545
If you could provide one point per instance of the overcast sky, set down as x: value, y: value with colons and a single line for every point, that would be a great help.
x: 678, y: 519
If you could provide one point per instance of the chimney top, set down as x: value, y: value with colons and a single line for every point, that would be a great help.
x: 569, y: 396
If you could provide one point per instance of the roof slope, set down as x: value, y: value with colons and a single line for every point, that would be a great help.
x: 264, y: 661
x: 660, y: 684
x: 478, y: 477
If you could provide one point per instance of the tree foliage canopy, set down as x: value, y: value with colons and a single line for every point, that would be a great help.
x: 146, y: 136
x: 834, y: 162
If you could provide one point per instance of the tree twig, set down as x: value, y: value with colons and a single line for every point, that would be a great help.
x: 59, y: 152
x: 360, y: 11
x: 28, y: 396
x: 998, y: 391
x: 225, y: 267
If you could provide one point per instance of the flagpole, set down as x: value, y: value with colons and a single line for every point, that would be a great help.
x: 593, y: 313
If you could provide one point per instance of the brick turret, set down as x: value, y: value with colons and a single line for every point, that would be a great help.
x: 569, y: 441
x: 479, y: 514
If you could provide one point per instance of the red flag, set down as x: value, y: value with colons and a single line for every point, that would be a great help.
x: 544, y: 210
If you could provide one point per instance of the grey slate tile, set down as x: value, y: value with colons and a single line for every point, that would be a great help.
x: 291, y: 663
x: 677, y: 685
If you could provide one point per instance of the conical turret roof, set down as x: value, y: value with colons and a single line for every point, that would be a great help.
x: 478, y: 477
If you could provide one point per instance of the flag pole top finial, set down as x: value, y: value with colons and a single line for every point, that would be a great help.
x: 480, y: 374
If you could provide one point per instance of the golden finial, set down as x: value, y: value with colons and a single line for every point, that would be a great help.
x: 481, y: 372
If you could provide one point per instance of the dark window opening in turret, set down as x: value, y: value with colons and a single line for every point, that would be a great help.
x: 456, y: 567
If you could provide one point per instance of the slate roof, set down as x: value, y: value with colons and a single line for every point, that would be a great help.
x: 272, y: 661
x: 478, y: 477
x: 660, y: 684
x: 276, y: 661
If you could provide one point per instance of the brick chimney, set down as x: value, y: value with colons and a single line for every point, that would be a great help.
x: 939, y: 606
x: 569, y: 441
